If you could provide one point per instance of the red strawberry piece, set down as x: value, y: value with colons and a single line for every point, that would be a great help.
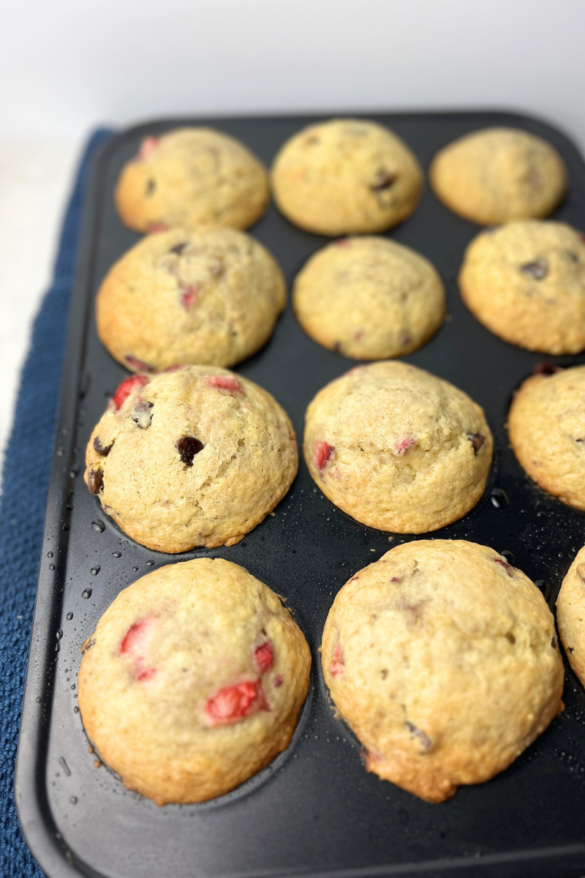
x: 153, y: 228
x: 189, y: 296
x: 224, y: 382
x: 134, y: 645
x: 344, y: 242
x: 278, y: 681
x: 323, y: 452
x: 264, y: 656
x: 508, y: 567
x: 404, y: 444
x: 138, y: 365
x: 546, y: 368
x: 125, y: 389
x: 234, y: 702
x: 174, y: 368
x: 145, y: 676
x: 337, y: 662
x: 148, y: 145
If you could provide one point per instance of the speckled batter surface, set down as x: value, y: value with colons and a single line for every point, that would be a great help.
x: 193, y: 681
x: 192, y: 177
x: 525, y: 281
x: 546, y: 424
x: 369, y: 298
x: 499, y: 174
x: 193, y: 457
x: 346, y: 176
x: 443, y: 659
x: 398, y: 448
x: 180, y: 297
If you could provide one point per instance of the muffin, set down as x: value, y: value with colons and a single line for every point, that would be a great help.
x: 193, y: 681
x: 346, y: 177
x: 191, y: 177
x: 443, y: 660
x: 525, y: 282
x: 193, y: 457
x: 546, y: 424
x: 571, y: 614
x: 369, y: 298
x: 181, y: 298
x: 398, y: 448
x: 496, y: 175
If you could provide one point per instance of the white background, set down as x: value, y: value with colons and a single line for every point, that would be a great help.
x: 68, y: 65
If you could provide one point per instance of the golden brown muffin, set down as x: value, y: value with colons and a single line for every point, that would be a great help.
x: 398, y: 448
x: 546, y: 424
x: 571, y: 614
x: 346, y: 177
x: 526, y: 282
x: 193, y: 681
x: 192, y: 177
x: 179, y: 297
x: 193, y: 457
x: 496, y: 175
x: 369, y: 298
x: 443, y: 660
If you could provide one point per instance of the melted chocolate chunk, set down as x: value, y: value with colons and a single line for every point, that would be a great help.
x: 477, y: 441
x: 97, y: 446
x: 188, y: 447
x: 384, y: 180
x: 178, y: 248
x: 142, y: 414
x: 537, y: 269
x: 95, y: 481
x: 150, y: 187
x: 546, y: 368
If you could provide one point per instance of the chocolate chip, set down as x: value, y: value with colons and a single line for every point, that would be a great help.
x: 150, y: 187
x: 537, y: 269
x: 477, y: 441
x: 95, y: 481
x: 553, y: 643
x: 420, y: 735
x: 97, y: 446
x: 142, y: 414
x: 178, y: 248
x: 384, y: 180
x: 546, y: 368
x: 188, y: 447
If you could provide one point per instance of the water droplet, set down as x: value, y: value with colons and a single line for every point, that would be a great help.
x: 38, y: 700
x: 64, y: 766
x: 69, y: 617
x: 544, y: 587
x: 76, y: 709
x: 52, y: 567
x: 66, y: 527
x: 49, y: 554
x: 59, y: 634
x: 117, y: 554
x: 135, y: 569
x: 95, y: 570
x: 73, y: 800
x: 86, y: 593
x: 98, y: 526
x: 57, y: 647
x: 73, y: 685
x: 150, y: 563
x: 508, y: 556
x: 499, y: 498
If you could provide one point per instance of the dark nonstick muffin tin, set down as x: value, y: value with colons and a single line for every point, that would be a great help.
x: 315, y: 811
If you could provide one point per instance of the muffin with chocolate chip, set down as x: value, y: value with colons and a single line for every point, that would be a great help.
x: 191, y: 177
x: 525, y: 282
x: 546, y: 424
x: 179, y: 297
x: 346, y: 176
x: 496, y: 175
x: 443, y: 660
x: 192, y: 457
x: 398, y: 448
x: 369, y: 298
x: 193, y: 681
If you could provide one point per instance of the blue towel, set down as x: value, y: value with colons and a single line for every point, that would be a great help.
x: 22, y: 509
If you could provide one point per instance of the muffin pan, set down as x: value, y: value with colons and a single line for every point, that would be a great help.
x: 315, y: 811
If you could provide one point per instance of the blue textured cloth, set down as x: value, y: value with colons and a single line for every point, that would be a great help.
x: 22, y: 509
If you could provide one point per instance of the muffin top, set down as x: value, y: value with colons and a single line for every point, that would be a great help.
x: 346, y: 176
x: 193, y: 680
x: 191, y: 177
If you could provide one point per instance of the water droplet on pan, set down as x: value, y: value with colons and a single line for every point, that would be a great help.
x: 95, y: 570
x: 64, y: 766
x: 98, y: 526
x: 499, y: 498
x: 86, y: 593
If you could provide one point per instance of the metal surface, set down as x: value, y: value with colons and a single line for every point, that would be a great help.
x: 315, y: 811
